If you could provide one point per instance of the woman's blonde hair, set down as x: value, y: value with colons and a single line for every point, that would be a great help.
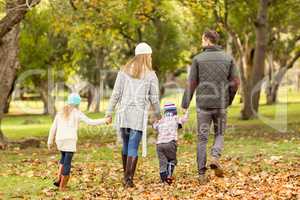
x: 138, y: 66
x: 67, y: 111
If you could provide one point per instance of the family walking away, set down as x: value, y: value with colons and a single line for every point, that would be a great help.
x: 214, y: 77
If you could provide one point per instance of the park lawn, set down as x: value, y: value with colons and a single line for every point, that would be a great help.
x: 260, y: 161
x: 260, y: 164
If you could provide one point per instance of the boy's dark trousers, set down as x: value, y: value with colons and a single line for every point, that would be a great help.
x: 167, y: 159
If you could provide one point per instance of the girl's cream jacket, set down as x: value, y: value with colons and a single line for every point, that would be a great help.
x: 64, y: 131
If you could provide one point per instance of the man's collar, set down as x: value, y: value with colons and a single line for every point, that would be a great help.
x: 212, y: 48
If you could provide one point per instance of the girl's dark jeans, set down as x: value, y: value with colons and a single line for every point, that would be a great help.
x: 66, y: 160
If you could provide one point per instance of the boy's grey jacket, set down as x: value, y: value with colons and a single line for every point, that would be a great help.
x: 212, y: 75
x: 134, y: 97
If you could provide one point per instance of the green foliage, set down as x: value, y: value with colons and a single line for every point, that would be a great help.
x: 41, y: 48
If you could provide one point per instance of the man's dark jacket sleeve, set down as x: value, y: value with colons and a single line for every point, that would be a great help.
x: 192, y: 83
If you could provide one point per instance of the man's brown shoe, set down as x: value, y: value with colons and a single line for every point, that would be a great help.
x: 202, y: 179
x: 215, y: 165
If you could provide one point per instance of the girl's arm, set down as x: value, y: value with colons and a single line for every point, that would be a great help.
x: 52, y: 132
x: 154, y: 96
x: 116, y: 95
x: 89, y: 121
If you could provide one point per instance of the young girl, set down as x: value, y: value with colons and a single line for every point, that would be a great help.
x: 167, y: 140
x: 64, y: 130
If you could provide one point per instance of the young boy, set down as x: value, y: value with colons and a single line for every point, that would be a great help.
x: 167, y: 140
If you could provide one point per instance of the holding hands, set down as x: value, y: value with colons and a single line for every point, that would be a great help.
x: 108, y: 120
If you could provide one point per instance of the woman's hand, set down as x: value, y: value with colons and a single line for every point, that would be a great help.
x: 49, y: 147
x: 108, y: 120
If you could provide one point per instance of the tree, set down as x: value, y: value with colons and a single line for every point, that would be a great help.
x: 46, y: 51
x: 250, y: 39
x: 283, y: 47
x: 261, y: 42
x: 9, y: 34
x: 92, y: 40
x: 164, y: 25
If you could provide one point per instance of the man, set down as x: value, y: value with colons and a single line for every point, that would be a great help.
x: 215, y: 78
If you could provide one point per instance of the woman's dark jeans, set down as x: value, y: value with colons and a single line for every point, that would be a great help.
x: 131, y: 140
x: 66, y: 160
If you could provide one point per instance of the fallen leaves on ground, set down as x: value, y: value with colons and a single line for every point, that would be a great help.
x: 259, y: 178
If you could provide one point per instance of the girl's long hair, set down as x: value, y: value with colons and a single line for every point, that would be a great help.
x: 138, y: 66
x: 67, y: 111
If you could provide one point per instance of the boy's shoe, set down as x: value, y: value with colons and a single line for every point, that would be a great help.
x: 163, y: 176
x: 215, y: 165
x: 170, y: 177
x: 170, y: 180
x: 202, y: 179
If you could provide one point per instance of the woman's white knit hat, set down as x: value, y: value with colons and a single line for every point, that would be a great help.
x: 143, y: 48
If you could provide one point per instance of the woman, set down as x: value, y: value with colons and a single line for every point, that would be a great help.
x: 136, y: 87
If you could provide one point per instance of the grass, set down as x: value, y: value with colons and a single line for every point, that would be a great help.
x: 250, y: 148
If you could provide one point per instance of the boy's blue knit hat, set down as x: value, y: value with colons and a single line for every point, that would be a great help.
x: 170, y: 108
x: 74, y: 99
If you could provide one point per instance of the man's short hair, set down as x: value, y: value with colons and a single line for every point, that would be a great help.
x: 212, y: 36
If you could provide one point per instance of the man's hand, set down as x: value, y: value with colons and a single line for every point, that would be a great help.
x: 185, y: 111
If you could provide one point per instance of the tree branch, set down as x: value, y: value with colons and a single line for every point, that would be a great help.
x: 15, y: 13
x: 293, y: 60
x: 72, y: 4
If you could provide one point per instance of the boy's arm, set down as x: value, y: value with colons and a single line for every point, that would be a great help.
x: 89, y: 121
x: 182, y: 120
x: 156, y: 125
x: 52, y: 132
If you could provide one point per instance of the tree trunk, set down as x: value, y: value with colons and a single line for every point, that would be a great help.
x: 97, y: 91
x: 9, y: 50
x: 89, y: 98
x: 278, y: 77
x: 48, y: 100
x: 246, y: 65
x: 298, y: 82
x: 269, y: 95
x: 259, y: 54
x: 44, y: 99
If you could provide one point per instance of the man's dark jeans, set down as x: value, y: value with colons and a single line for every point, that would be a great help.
x: 205, y: 118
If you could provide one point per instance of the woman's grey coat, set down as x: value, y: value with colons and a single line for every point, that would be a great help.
x: 134, y: 97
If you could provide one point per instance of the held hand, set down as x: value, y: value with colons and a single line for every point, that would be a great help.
x: 108, y: 120
x: 49, y: 147
x: 185, y: 111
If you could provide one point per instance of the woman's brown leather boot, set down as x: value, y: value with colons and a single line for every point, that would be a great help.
x: 124, y: 160
x: 130, y: 170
